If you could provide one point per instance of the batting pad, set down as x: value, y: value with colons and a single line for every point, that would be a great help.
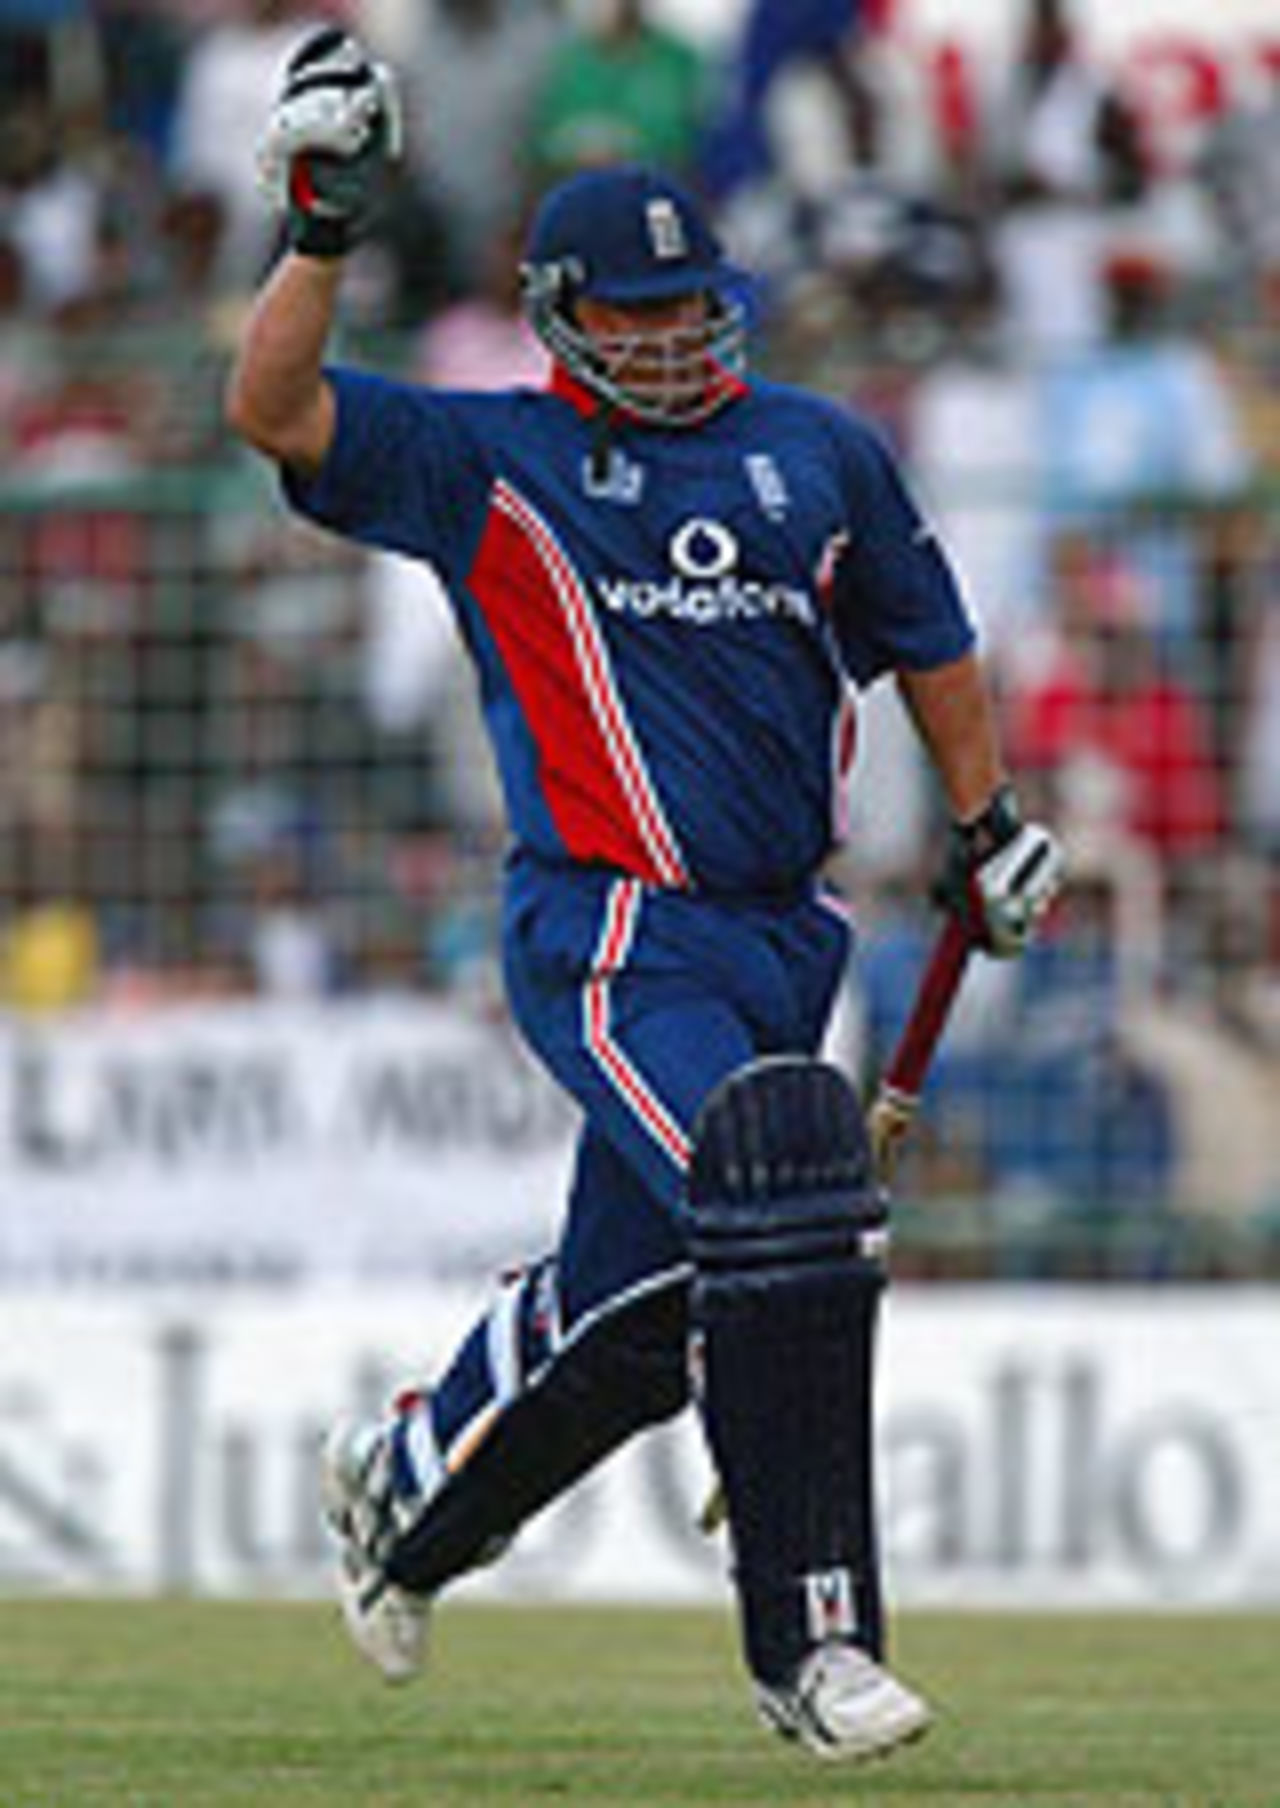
x: 786, y: 1229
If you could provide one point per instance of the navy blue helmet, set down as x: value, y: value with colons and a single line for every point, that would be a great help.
x: 633, y: 238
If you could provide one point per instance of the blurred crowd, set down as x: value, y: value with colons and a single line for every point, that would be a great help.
x: 235, y: 758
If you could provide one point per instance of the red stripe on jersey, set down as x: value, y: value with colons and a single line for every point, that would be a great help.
x: 597, y: 789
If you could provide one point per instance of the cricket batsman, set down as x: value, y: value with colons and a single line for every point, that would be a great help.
x: 672, y: 578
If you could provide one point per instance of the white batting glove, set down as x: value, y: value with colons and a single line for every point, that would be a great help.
x: 335, y: 126
x: 1002, y: 875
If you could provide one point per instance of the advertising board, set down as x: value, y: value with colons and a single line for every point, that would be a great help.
x: 1060, y: 1448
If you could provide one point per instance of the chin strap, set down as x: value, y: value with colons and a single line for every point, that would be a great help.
x: 600, y: 461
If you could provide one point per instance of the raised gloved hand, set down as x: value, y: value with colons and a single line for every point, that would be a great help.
x: 331, y: 134
x: 1001, y: 875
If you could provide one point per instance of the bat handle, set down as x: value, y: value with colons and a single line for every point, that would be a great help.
x: 888, y: 1122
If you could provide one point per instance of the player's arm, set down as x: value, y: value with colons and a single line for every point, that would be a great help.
x: 277, y: 396
x: 1001, y: 873
x: 896, y: 608
x: 951, y: 707
x: 320, y: 161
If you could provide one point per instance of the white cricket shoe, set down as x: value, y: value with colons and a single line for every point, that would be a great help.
x: 843, y: 1705
x: 387, y: 1624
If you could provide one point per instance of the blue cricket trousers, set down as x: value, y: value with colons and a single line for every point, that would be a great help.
x: 640, y: 1001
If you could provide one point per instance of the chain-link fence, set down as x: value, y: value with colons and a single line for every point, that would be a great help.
x: 239, y: 759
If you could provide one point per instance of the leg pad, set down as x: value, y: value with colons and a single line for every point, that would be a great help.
x: 787, y: 1232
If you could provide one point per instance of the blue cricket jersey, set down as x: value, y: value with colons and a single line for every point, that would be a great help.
x: 665, y: 626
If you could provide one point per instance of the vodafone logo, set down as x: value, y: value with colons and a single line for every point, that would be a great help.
x: 704, y: 587
x: 703, y: 549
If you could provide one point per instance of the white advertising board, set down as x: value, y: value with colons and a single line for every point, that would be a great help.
x: 231, y: 1143
x: 1039, y: 1447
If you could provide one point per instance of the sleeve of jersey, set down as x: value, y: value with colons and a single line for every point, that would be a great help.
x: 403, y: 473
x: 895, y: 601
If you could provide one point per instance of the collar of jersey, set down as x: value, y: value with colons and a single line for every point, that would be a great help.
x: 564, y: 384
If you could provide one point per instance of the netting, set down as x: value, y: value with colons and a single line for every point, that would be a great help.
x: 238, y: 759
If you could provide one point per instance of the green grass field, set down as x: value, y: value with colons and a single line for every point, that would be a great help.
x: 182, y: 1704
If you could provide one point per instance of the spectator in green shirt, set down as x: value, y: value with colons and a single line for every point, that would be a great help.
x: 621, y: 89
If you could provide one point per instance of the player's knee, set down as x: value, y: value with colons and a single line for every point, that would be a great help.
x: 781, y: 1183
